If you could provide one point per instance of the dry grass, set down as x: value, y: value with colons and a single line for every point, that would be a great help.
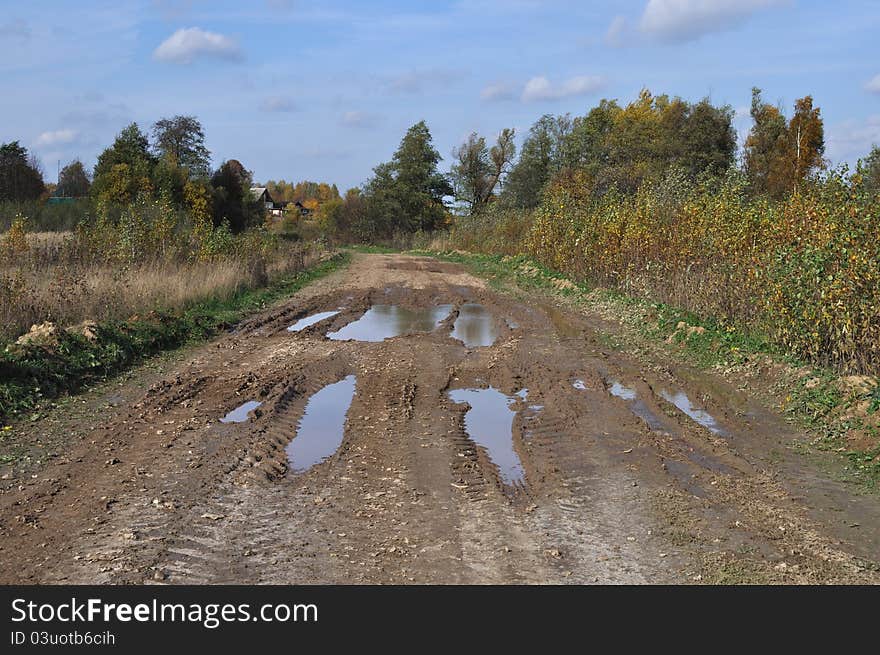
x: 47, y: 239
x: 43, y: 285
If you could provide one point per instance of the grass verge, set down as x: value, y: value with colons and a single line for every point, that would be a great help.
x: 30, y: 374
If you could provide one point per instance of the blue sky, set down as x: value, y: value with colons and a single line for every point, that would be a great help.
x: 306, y: 90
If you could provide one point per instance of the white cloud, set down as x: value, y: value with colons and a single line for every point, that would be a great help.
x: 498, y: 91
x: 873, y: 85
x: 687, y: 20
x: 279, y: 104
x: 850, y: 140
x: 359, y: 119
x: 56, y: 138
x: 615, y: 36
x: 186, y: 45
x: 540, y: 88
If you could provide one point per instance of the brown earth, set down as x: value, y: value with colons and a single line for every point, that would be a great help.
x: 138, y: 481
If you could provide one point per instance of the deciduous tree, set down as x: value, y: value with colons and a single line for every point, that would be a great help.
x: 180, y: 140
x: 73, y: 181
x: 471, y: 172
x: 124, y: 170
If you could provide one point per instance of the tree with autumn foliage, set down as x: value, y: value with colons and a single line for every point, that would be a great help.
x: 779, y: 155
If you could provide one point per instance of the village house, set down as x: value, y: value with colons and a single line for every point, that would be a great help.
x: 261, y: 194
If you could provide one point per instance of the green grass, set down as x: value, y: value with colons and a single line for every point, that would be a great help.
x: 32, y: 374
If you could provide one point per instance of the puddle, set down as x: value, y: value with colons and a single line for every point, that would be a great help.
x: 320, y: 431
x: 513, y: 325
x: 382, y: 322
x: 303, y: 323
x: 701, y: 416
x: 474, y: 326
x: 621, y: 391
x: 564, y: 327
x: 636, y: 406
x: 489, y: 423
x: 240, y: 413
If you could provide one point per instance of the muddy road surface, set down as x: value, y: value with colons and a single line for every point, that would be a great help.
x: 401, y: 422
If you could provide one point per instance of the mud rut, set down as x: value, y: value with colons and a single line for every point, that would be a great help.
x: 162, y: 492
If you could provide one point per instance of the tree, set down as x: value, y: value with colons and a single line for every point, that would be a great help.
x: 708, y: 139
x: 479, y: 170
x: 869, y: 169
x: 124, y: 170
x: 180, y: 140
x: 544, y: 153
x: 806, y: 140
x: 407, y: 193
x: 73, y: 181
x: 502, y: 154
x: 20, y: 175
x: 778, y: 156
x: 472, y: 172
x: 419, y: 185
x: 588, y: 142
x: 232, y: 199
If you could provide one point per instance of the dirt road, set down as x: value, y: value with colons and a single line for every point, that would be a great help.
x: 495, y: 441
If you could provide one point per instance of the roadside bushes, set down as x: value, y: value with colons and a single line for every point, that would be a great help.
x: 821, y: 282
x: 804, y: 270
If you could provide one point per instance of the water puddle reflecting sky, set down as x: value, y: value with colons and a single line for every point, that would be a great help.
x: 636, y: 405
x: 701, y: 416
x: 382, y: 322
x: 489, y: 423
x: 240, y: 413
x: 307, y: 321
x: 475, y: 326
x: 321, y: 429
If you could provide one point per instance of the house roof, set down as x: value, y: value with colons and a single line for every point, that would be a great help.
x: 257, y: 191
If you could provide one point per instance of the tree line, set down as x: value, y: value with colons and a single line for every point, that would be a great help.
x: 613, y: 148
x: 171, y: 163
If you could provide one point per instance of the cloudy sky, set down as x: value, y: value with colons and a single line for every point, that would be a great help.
x: 298, y: 89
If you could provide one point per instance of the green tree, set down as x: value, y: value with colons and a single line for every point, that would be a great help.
x: 232, y: 200
x: 478, y: 170
x: 124, y: 170
x: 180, y: 140
x: 73, y: 181
x: 708, y: 139
x: 407, y: 193
x: 544, y: 153
x: 20, y: 175
x: 869, y: 169
x: 588, y: 142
